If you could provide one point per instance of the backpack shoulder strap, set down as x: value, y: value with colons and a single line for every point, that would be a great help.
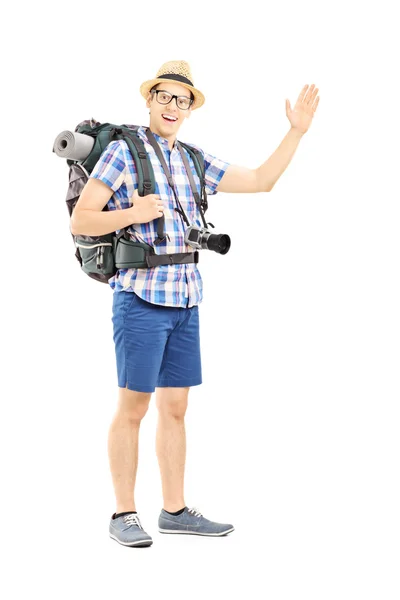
x: 198, y: 160
x: 144, y: 168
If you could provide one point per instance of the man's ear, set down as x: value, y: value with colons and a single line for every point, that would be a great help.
x: 148, y: 101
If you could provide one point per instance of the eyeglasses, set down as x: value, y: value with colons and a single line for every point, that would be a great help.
x: 163, y: 97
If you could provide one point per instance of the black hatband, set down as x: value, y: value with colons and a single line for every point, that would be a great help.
x: 176, y: 77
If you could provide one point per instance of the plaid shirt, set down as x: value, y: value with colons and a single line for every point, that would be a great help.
x: 168, y: 285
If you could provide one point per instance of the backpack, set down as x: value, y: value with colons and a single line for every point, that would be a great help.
x: 99, y: 256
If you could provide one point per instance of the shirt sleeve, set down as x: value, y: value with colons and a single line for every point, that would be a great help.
x: 214, y: 170
x: 111, y: 166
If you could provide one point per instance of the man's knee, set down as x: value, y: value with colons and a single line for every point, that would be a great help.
x: 133, y: 405
x: 172, y: 401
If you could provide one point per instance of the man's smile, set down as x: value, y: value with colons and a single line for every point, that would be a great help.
x: 169, y: 118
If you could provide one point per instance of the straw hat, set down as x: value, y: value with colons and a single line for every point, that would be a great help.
x: 175, y: 70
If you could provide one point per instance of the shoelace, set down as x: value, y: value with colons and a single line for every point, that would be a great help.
x: 195, y: 511
x: 132, y: 520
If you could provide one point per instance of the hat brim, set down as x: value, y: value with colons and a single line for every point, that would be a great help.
x: 199, y: 99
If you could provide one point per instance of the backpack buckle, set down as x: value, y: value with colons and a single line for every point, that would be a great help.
x: 142, y: 155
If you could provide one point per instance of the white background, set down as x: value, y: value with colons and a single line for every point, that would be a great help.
x: 293, y: 435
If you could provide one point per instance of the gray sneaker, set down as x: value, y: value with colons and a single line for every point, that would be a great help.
x: 191, y: 521
x: 128, y: 531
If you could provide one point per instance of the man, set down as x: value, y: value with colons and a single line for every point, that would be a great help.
x: 155, y: 310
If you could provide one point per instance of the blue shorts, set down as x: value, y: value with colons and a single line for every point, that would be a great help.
x: 155, y: 346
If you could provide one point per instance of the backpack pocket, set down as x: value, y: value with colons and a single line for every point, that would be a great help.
x: 97, y: 257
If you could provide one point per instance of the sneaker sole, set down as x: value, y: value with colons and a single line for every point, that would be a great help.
x: 139, y: 543
x: 195, y: 532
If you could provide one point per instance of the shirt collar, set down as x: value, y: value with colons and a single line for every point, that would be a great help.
x: 160, y: 140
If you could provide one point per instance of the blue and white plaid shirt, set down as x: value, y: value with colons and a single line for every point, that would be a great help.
x: 169, y: 285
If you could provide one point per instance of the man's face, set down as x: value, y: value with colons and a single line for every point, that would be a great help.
x: 159, y: 113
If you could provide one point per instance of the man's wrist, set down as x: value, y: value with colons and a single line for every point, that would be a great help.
x: 296, y: 132
x: 132, y: 215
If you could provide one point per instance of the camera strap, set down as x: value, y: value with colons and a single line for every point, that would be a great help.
x: 160, y: 156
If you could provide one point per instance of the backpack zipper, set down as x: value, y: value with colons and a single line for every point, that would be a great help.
x: 100, y: 261
x: 93, y: 245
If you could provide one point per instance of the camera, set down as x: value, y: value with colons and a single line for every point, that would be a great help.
x: 203, y: 238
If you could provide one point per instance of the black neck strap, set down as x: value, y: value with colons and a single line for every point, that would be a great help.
x: 158, y: 151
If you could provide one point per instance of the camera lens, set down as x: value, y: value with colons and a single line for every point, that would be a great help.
x: 219, y: 242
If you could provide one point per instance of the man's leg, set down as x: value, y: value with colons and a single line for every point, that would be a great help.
x: 123, y: 445
x: 171, y: 443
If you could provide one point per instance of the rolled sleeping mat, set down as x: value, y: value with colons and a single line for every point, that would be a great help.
x: 73, y: 145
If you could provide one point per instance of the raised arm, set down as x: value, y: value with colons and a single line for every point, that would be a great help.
x: 263, y: 179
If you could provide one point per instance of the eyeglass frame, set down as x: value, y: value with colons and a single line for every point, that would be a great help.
x: 191, y: 100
